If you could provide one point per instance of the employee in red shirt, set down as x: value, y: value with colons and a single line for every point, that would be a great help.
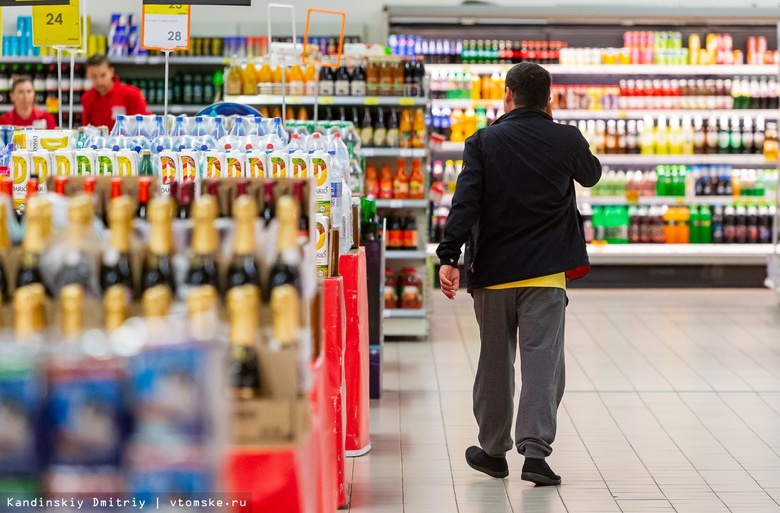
x: 109, y: 97
x: 24, y: 113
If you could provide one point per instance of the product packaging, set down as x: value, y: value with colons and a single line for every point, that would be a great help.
x: 278, y: 161
x: 235, y: 161
x: 126, y: 163
x: 48, y: 140
x: 86, y: 163
x: 256, y: 164
x: 299, y: 166
x: 319, y: 165
x: 106, y: 162
x: 213, y: 164
x: 42, y: 161
x: 322, y: 245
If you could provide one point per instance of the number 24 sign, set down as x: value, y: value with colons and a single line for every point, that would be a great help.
x: 165, y: 27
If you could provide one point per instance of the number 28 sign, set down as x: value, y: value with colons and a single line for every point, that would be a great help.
x: 165, y: 27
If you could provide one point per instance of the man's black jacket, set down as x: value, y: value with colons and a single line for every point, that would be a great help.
x: 515, y: 206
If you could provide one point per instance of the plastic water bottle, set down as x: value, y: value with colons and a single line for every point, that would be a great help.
x: 280, y: 131
x: 201, y: 135
x: 256, y: 136
x: 219, y: 129
x: 118, y: 135
x: 178, y: 132
x: 316, y: 143
x: 140, y: 138
x: 295, y: 144
x: 161, y: 141
x: 336, y: 189
x: 234, y: 138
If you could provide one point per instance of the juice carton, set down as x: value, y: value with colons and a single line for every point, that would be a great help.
x: 299, y: 166
x: 106, y: 162
x: 213, y: 164
x: 49, y: 140
x: 321, y: 246
x: 319, y: 164
x: 278, y: 161
x: 64, y: 163
x: 235, y: 161
x: 189, y: 168
x: 86, y: 163
x: 42, y: 165
x: 21, y: 165
x: 169, y: 169
x: 256, y: 164
x: 126, y: 163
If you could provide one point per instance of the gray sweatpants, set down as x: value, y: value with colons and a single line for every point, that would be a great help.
x: 539, y: 314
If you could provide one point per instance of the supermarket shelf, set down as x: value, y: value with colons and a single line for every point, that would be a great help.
x: 385, y: 101
x: 395, y: 152
x: 76, y: 108
x: 464, y: 104
x: 671, y: 200
x: 401, y: 204
x: 400, y: 254
x: 631, y: 69
x: 400, y: 313
x: 179, y: 109
x: 638, y: 114
x: 679, y: 254
x: 137, y: 59
x: 671, y: 254
x: 450, y: 147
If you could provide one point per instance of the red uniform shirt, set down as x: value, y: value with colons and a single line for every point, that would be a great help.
x: 38, y: 119
x: 121, y: 99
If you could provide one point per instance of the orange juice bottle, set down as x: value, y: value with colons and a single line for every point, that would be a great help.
x: 497, y: 87
x: 264, y: 112
x: 456, y: 126
x: 295, y: 80
x: 235, y: 79
x: 264, y: 79
x: 372, y: 180
x: 277, y: 113
x: 416, y: 181
x: 418, y: 135
x: 487, y: 87
x: 249, y: 79
x: 277, y: 80
x: 476, y: 87
x: 310, y: 80
x: 469, y: 122
x: 386, y: 183
x: 289, y: 113
x: 303, y: 114
x: 401, y: 181
x: 405, y: 129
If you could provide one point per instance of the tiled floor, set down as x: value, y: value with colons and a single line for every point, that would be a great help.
x: 672, y: 404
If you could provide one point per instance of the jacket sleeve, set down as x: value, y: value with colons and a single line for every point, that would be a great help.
x: 466, y: 204
x: 587, y: 168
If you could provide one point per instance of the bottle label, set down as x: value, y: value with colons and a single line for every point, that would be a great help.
x: 297, y: 88
x: 342, y: 88
x: 411, y: 239
x: 311, y: 88
x: 366, y: 136
x: 326, y: 88
x: 358, y: 88
x: 723, y: 140
x: 392, y: 139
x: 255, y: 167
x: 395, y: 239
x: 278, y: 167
x: 234, y: 167
x: 336, y: 191
x: 380, y: 137
x: 299, y: 169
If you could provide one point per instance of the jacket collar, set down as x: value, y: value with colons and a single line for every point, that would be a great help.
x: 522, y: 112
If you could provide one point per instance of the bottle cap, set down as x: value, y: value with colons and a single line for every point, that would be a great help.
x: 115, y: 300
x: 72, y: 299
x: 243, y: 303
x: 285, y: 305
x: 244, y: 207
x: 28, y: 310
x: 156, y: 301
x: 202, y: 299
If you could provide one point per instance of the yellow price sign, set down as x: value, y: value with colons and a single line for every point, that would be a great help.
x: 407, y: 101
x: 326, y: 100
x: 57, y: 25
x: 172, y: 9
x: 371, y: 100
x: 165, y: 27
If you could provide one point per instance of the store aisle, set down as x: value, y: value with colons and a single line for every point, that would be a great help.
x: 673, y: 404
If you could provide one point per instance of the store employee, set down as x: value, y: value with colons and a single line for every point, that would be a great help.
x: 109, y: 97
x: 24, y: 113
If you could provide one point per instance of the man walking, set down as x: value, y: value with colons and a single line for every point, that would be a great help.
x: 516, y: 211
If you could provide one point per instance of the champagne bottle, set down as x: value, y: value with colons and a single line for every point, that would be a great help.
x: 285, y: 270
x: 203, y: 267
x: 269, y: 212
x: 202, y: 310
x: 243, y: 268
x: 77, y: 268
x: 5, y: 243
x: 115, y: 302
x: 286, y: 309
x: 116, y: 269
x: 157, y: 266
x: 72, y: 301
x: 243, y: 303
x: 28, y: 312
x: 156, y: 301
x: 33, y: 244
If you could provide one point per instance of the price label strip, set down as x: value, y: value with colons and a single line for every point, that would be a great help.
x: 57, y: 25
x: 165, y: 27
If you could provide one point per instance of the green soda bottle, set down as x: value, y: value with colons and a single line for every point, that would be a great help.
x: 705, y: 217
x: 695, y: 225
x: 145, y: 165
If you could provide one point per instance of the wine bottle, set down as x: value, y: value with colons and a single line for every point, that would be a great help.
x: 269, y: 210
x: 242, y: 304
x: 205, y: 239
x: 157, y: 266
x: 28, y: 312
x: 285, y: 270
x: 72, y: 302
x: 115, y: 300
x: 202, y: 309
x: 185, y: 199
x: 243, y: 268
x: 144, y: 186
x: 116, y: 269
x: 156, y: 301
x: 33, y: 244
x: 303, y: 223
x: 76, y: 268
x: 286, y: 311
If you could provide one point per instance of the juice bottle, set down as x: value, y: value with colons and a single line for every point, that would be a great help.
x: 476, y: 87
x: 416, y: 181
x: 372, y: 180
x: 401, y: 181
x: 296, y: 81
x: 386, y: 183
x: 405, y: 129
x: 469, y: 122
x: 277, y: 81
x: 264, y: 79
x: 249, y: 79
x: 418, y: 136
x: 310, y: 80
x: 235, y: 79
x: 372, y: 78
x: 457, y: 126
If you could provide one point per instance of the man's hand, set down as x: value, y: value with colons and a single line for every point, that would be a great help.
x: 449, y: 277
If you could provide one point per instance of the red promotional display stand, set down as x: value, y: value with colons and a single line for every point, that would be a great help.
x: 323, y: 428
x: 333, y: 322
x: 352, y: 267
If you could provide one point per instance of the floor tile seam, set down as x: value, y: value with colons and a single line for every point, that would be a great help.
x: 663, y: 428
x: 723, y: 446
x: 672, y: 348
x: 766, y: 402
x: 749, y: 427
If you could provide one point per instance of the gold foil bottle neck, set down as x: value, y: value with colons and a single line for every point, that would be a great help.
x: 80, y: 211
x: 201, y: 300
x: 35, y: 234
x: 115, y: 301
x: 287, y: 214
x: 119, y: 221
x: 28, y: 310
x: 156, y: 301
x: 159, y: 214
x: 243, y: 304
x: 5, y: 240
x: 244, y: 213
x: 205, y: 238
x: 72, y: 299
x: 286, y: 309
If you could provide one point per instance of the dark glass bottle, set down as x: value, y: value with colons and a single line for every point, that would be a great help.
x: 38, y: 213
x: 115, y: 268
x: 158, y: 269
x: 205, y: 241
x: 285, y: 270
x: 244, y: 364
x: 269, y: 209
x: 144, y: 185
x: 303, y: 221
x: 185, y: 199
x: 243, y: 268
